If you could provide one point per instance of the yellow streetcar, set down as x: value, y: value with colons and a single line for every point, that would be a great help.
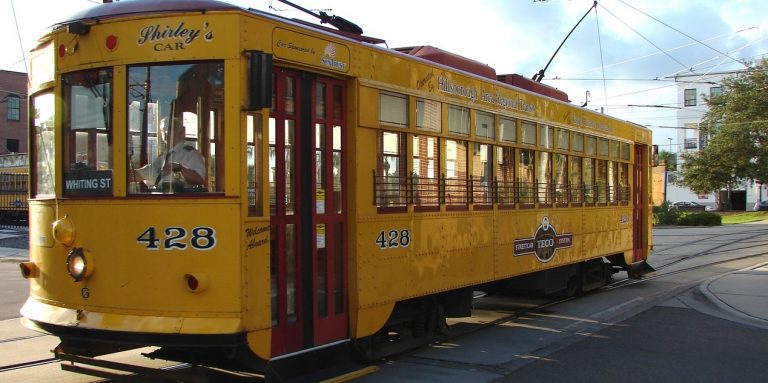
x: 233, y: 187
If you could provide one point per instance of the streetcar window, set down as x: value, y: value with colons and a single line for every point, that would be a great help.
x: 625, y: 151
x: 563, y: 139
x: 393, y: 109
x: 43, y: 145
x: 253, y: 123
x: 528, y: 132
x: 87, y: 132
x: 508, y: 129
x: 526, y: 178
x: 456, y: 173
x: 485, y: 126
x: 578, y: 142
x: 601, y: 180
x: 591, y: 145
x: 602, y: 147
x: 614, y: 150
x: 458, y: 120
x: 574, y: 178
x: 390, y: 179
x: 589, y: 179
x: 546, y: 136
x: 175, y: 125
x: 560, y: 177
x: 425, y: 171
x: 428, y: 115
x: 482, y: 173
x: 544, y: 177
x: 624, y: 182
x: 613, y: 181
x: 505, y: 175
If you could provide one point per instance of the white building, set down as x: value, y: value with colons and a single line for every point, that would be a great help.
x: 692, y: 92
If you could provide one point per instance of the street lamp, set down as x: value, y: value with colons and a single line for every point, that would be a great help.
x: 670, y: 144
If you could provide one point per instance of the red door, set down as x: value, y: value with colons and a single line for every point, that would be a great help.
x: 308, y: 210
x: 639, y: 176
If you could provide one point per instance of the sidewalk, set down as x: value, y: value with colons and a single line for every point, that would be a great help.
x: 742, y: 293
x: 14, y: 244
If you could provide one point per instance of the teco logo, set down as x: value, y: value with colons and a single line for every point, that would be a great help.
x: 544, y: 242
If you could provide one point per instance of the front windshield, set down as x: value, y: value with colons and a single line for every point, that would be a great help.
x: 88, y: 132
x: 175, y: 124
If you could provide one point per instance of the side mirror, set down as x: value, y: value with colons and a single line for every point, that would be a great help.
x: 259, y: 80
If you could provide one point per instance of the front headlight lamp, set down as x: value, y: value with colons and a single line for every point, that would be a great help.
x: 79, y: 265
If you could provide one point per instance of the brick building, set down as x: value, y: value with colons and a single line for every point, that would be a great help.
x: 13, y: 112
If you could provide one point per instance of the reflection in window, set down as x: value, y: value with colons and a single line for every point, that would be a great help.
x: 254, y: 163
x: 176, y: 117
x: 425, y: 171
x: 526, y: 176
x: 574, y: 178
x: 546, y: 136
x: 482, y: 173
x: 560, y: 177
x: 589, y: 179
x: 43, y: 144
x: 456, y: 173
x: 544, y: 177
x: 428, y: 115
x: 390, y: 173
x: 88, y: 132
x: 505, y: 174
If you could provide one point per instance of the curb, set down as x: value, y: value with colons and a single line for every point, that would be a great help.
x: 722, y: 305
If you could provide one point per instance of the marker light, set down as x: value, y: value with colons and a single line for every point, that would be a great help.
x: 64, y: 231
x: 79, y: 265
x: 111, y: 42
x: 196, y: 282
x: 29, y: 270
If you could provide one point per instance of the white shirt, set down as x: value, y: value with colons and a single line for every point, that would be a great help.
x: 183, y: 154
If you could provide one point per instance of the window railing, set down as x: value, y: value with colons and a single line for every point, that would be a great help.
x: 425, y: 193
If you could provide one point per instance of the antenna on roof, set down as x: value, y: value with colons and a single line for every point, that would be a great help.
x: 340, y: 23
x: 539, y: 76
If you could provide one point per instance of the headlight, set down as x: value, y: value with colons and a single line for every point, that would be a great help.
x: 79, y: 265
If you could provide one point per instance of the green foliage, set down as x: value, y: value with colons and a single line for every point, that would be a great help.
x: 700, y: 219
x: 663, y: 215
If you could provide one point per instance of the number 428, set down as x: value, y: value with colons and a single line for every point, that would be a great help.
x: 390, y: 239
x: 201, y: 238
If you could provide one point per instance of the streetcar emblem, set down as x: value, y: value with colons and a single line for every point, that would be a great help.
x: 329, y: 58
x: 544, y: 243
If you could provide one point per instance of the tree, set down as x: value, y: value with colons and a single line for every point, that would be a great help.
x: 737, y: 127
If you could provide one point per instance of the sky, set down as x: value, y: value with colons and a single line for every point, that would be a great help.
x: 625, y: 53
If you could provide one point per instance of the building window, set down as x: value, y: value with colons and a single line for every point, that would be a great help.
x: 14, y: 107
x: 12, y: 145
x: 690, y: 97
x: 715, y: 91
